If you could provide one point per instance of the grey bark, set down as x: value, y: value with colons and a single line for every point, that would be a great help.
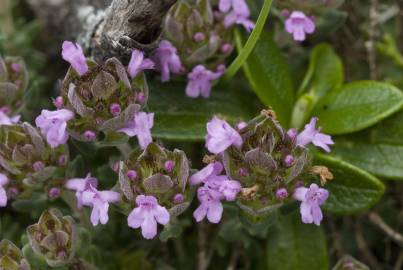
x: 104, y: 28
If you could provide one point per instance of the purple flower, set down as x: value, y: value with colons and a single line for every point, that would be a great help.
x: 298, y: 24
x: 6, y: 120
x: 53, y: 125
x: 211, y: 170
x: 3, y: 193
x: 216, y: 188
x: 220, y: 136
x: 199, y: 36
x: 229, y: 188
x: 146, y: 215
x: 281, y: 193
x: 140, y: 126
x: 80, y: 185
x: 178, y: 198
x: 99, y: 201
x: 312, y: 135
x: 199, y: 81
x: 311, y: 198
x: 73, y: 53
x: 138, y: 63
x: 238, y: 13
x: 210, y: 205
x: 166, y: 60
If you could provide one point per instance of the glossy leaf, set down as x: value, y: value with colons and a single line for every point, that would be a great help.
x: 269, y: 77
x: 325, y: 72
x: 389, y: 131
x: 356, y: 106
x: 352, y: 189
x: 380, y: 159
x: 292, y: 245
x: 178, y: 117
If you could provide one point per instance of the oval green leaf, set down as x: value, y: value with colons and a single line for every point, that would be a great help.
x: 269, y: 76
x: 292, y: 245
x: 380, y: 159
x: 356, y: 106
x: 352, y: 190
x: 325, y: 72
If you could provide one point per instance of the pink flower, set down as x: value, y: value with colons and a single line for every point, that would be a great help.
x: 199, y: 81
x: 3, y: 193
x: 73, y: 53
x: 311, y: 198
x: 202, y: 176
x: 238, y: 13
x: 53, y: 125
x: 210, y: 205
x: 80, y: 185
x: 312, y: 135
x: 298, y: 24
x: 146, y: 215
x: 167, y: 60
x: 220, y: 136
x: 140, y: 126
x: 6, y: 120
x: 99, y: 201
x: 216, y: 188
x: 138, y: 63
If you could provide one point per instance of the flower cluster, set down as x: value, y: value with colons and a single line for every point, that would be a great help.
x: 265, y: 167
x: 154, y: 180
x: 54, y: 237
x: 99, y: 101
x: 28, y: 164
x: 11, y: 257
x: 13, y: 83
x: 197, y: 40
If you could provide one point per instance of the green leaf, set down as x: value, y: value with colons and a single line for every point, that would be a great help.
x: 325, y: 72
x: 178, y: 117
x: 268, y: 75
x: 292, y: 245
x: 352, y: 189
x: 389, y: 131
x: 250, y: 44
x: 356, y: 106
x: 380, y: 159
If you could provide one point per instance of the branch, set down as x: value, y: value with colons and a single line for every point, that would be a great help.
x: 378, y: 222
x: 104, y: 32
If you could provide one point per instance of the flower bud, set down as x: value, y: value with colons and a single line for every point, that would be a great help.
x: 16, y: 67
x: 199, y: 36
x: 54, y: 192
x: 241, y: 125
x: 54, y: 237
x: 58, y: 102
x: 141, y: 98
x: 243, y: 172
x: 169, y: 165
x: 132, y: 175
x: 90, y: 135
x: 62, y: 160
x: 115, y: 109
x: 38, y: 166
x: 281, y: 193
x: 11, y: 257
x: 226, y: 48
x: 12, y: 192
x: 179, y: 198
x: 288, y: 160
